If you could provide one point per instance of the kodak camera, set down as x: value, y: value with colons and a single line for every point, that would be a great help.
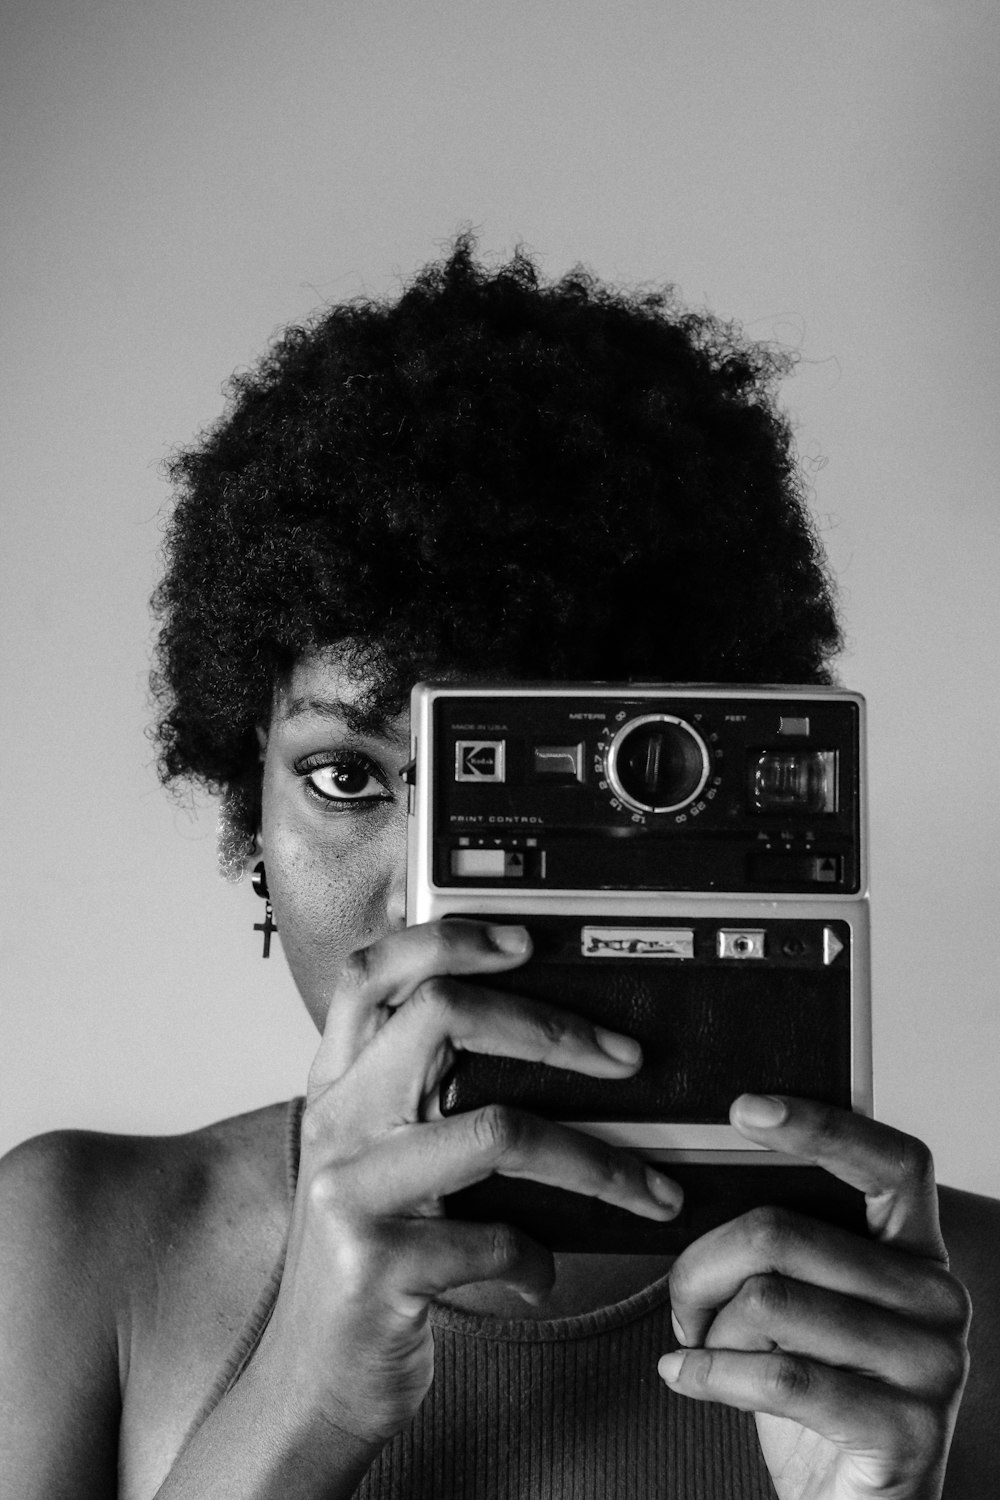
x: 691, y: 863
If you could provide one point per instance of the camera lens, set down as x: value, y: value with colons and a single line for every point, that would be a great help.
x: 657, y: 763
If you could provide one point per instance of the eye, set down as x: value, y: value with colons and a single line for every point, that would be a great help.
x: 343, y: 778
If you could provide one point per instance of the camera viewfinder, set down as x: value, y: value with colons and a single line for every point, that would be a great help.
x: 796, y: 781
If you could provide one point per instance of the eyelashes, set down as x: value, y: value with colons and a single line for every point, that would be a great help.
x: 344, y: 779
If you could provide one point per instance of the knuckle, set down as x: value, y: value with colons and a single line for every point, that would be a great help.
x: 498, y: 1130
x: 441, y: 940
x: 506, y: 1247
x: 359, y: 1247
x: 611, y: 1174
x: 954, y: 1302
x: 356, y: 970
x: 326, y: 1196
x: 913, y: 1162
x: 698, y: 1367
x: 624, y: 1172
x: 679, y: 1283
x: 764, y: 1298
x: 961, y: 1304
x: 828, y: 1126
x: 313, y: 1129
x: 433, y: 995
x: 605, y: 1169
x: 920, y: 1425
x: 683, y: 1280
x: 359, y: 1262
x: 455, y: 943
x: 552, y: 1025
x: 954, y: 1366
x: 772, y: 1232
x: 789, y: 1378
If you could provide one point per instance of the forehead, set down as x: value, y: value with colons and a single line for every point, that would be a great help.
x: 326, y: 685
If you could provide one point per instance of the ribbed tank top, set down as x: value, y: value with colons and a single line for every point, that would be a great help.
x: 559, y: 1409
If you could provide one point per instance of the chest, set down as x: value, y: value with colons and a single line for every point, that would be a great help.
x: 192, y: 1321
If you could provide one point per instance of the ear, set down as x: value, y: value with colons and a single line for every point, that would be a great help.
x: 258, y: 846
x: 237, y: 844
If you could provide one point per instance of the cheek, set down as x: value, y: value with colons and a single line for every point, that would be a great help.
x: 330, y: 898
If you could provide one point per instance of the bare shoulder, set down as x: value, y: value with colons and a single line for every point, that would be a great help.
x: 64, y: 1211
x: 99, y: 1236
x: 83, y: 1193
x: 971, y: 1227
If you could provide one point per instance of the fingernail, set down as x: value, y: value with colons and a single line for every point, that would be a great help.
x: 669, y: 1367
x: 762, y: 1111
x: 624, y: 1049
x: 509, y: 939
x: 679, y: 1333
x: 663, y: 1190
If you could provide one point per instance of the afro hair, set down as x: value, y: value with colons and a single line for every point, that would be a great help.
x: 488, y: 474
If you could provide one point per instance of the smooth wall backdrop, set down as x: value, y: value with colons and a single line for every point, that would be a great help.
x: 180, y: 181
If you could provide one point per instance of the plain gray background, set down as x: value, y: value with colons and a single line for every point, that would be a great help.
x: 181, y: 180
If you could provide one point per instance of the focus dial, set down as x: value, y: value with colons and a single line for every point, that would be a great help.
x: 657, y: 763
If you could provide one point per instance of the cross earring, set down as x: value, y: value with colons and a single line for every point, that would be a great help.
x: 259, y: 879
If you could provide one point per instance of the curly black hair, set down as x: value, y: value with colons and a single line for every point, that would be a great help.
x: 490, y: 474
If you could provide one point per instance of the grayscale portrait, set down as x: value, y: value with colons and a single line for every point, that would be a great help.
x: 498, y: 987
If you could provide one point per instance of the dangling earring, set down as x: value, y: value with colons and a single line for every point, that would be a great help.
x: 259, y: 879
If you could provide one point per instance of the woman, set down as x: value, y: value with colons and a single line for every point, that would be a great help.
x: 497, y: 477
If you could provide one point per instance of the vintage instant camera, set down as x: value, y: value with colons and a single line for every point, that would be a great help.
x: 691, y: 863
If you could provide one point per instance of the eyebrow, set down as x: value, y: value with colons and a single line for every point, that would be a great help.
x: 345, y: 713
x: 325, y: 708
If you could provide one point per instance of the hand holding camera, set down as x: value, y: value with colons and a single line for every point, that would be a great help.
x: 369, y: 1246
x: 850, y: 1350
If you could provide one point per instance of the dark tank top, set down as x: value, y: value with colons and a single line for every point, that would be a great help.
x: 563, y: 1409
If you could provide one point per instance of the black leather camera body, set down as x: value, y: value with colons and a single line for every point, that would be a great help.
x: 691, y: 862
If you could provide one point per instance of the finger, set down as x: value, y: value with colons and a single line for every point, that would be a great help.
x: 879, y: 1424
x: 405, y: 1063
x: 415, y: 1166
x: 377, y: 979
x: 775, y: 1312
x: 710, y: 1272
x: 893, y: 1170
x: 432, y: 1256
